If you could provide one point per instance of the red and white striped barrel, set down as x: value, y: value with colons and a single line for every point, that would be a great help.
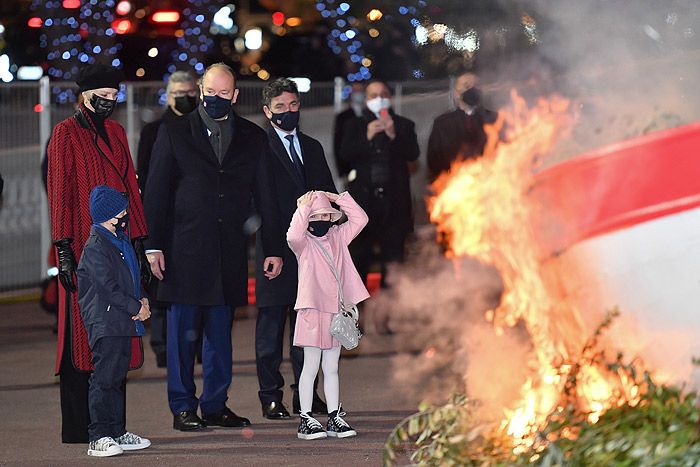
x: 624, y: 221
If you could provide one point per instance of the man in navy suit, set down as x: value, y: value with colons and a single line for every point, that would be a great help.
x: 206, y: 172
x: 296, y: 164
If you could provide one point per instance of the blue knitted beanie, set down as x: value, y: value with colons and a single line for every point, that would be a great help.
x: 105, y: 203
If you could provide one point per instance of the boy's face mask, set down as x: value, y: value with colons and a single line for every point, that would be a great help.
x: 319, y: 228
x: 122, y: 223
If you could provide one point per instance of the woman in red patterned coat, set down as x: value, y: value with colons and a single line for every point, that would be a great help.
x: 85, y: 150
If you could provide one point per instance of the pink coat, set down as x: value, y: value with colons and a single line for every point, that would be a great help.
x: 318, y: 288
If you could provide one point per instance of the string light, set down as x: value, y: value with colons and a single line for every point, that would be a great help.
x: 343, y: 39
x: 75, y: 33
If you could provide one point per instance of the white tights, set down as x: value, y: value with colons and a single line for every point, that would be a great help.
x: 331, y: 385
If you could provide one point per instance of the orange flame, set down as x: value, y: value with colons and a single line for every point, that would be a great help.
x: 482, y: 210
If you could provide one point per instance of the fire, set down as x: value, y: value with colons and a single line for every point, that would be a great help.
x: 482, y: 210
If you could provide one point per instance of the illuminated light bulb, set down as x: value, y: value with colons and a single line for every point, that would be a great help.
x: 123, y: 7
x: 374, y: 15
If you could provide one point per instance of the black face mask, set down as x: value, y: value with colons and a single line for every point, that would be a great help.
x: 217, y: 107
x: 103, y: 107
x: 122, y: 223
x: 472, y: 97
x: 319, y: 228
x: 185, y: 104
x: 286, y: 120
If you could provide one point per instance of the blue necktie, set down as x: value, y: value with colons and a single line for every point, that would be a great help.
x: 295, y: 157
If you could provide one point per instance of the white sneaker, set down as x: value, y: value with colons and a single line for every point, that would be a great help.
x: 104, y: 447
x: 131, y: 442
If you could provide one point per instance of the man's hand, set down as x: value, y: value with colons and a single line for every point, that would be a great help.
x: 305, y: 199
x: 389, y: 129
x: 374, y: 127
x: 144, y: 313
x: 156, y: 259
x: 272, y: 266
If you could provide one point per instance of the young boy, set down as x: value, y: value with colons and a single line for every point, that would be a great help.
x: 112, y: 307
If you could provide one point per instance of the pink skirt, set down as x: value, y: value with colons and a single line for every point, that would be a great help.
x: 313, y: 329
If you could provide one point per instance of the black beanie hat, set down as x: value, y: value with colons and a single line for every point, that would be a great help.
x: 105, y: 203
x: 98, y: 76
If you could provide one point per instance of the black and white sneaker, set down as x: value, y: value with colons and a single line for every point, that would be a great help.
x: 337, y: 427
x: 104, y: 447
x: 310, y: 428
x: 131, y: 442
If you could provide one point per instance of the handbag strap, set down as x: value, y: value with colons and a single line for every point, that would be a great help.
x: 329, y: 260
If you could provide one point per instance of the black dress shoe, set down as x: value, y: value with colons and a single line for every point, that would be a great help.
x: 275, y: 411
x: 187, y: 421
x: 226, y: 418
x: 318, y: 407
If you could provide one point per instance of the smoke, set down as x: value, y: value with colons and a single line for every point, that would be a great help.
x: 630, y: 66
x: 437, y: 306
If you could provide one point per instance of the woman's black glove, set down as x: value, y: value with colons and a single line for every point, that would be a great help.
x: 144, y: 266
x: 66, y: 264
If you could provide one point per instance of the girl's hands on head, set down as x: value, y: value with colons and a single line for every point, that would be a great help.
x: 332, y: 197
x: 305, y: 199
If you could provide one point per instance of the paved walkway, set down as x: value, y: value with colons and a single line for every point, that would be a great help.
x: 29, y: 396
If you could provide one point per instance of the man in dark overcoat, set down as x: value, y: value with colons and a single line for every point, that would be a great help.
x: 86, y: 149
x: 459, y: 134
x: 379, y: 146
x: 181, y: 92
x: 296, y: 165
x: 206, y: 170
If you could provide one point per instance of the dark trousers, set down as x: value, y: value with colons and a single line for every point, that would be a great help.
x: 269, y: 339
x: 184, y: 323
x: 106, y: 396
x: 75, y: 415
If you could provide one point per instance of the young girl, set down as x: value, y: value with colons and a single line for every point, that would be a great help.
x: 310, y: 233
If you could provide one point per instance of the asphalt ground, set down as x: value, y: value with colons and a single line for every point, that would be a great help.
x: 29, y: 398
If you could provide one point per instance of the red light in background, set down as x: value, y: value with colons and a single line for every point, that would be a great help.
x: 121, y: 26
x: 278, y: 18
x: 70, y: 4
x: 34, y: 22
x: 165, y: 16
x: 123, y: 7
x: 38, y: 108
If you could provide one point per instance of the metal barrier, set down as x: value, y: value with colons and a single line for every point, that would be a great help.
x: 29, y: 110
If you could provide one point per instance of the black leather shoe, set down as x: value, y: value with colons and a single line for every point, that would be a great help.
x: 275, y: 411
x: 187, y: 421
x: 318, y: 407
x: 226, y: 418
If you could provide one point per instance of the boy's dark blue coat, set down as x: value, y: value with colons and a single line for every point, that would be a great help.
x: 105, y: 290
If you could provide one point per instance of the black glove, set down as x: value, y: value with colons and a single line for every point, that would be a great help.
x: 66, y: 264
x: 144, y: 265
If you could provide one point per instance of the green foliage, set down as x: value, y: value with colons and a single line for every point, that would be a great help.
x: 657, y: 427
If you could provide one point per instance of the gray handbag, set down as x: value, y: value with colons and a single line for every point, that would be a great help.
x: 344, y: 325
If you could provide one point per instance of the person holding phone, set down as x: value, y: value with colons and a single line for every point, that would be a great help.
x: 379, y: 146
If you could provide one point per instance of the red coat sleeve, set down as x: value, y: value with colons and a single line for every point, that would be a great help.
x: 61, y: 182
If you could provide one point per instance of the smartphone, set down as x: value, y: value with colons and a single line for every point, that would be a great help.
x: 269, y: 267
x: 384, y: 114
